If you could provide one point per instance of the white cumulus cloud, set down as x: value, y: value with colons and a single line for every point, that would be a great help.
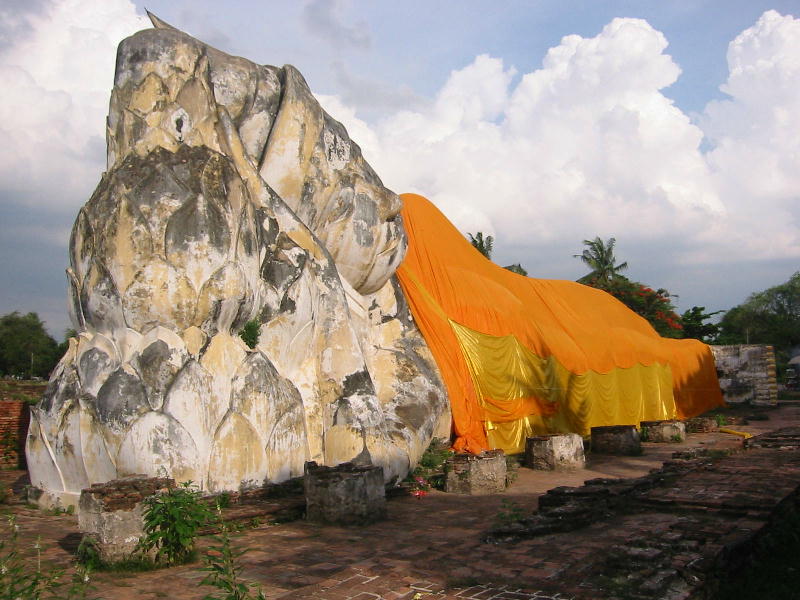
x: 56, y: 74
x: 589, y: 144
x: 756, y: 147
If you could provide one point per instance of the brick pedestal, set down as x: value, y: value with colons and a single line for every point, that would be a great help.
x: 616, y: 439
x: 346, y: 494
x: 663, y: 431
x: 14, y: 418
x: 476, y: 474
x: 554, y: 452
x: 111, y: 513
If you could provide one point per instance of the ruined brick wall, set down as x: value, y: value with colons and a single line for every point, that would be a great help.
x: 747, y: 374
x: 14, y: 418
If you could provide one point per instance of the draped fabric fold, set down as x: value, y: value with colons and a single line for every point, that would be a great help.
x: 521, y: 355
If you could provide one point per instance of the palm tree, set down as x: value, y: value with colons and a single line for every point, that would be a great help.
x: 481, y: 244
x: 599, y: 257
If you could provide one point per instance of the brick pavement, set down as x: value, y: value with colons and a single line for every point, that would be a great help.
x: 432, y: 549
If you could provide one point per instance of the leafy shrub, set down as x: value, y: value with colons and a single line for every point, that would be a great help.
x: 431, y: 465
x: 224, y: 571
x: 24, y: 579
x: 172, y: 521
x: 250, y: 333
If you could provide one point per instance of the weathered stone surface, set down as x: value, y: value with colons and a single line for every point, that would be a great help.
x: 346, y: 494
x: 663, y: 431
x: 616, y: 439
x: 555, y: 452
x: 702, y: 425
x: 111, y: 514
x: 479, y: 474
x: 747, y: 374
x: 230, y: 195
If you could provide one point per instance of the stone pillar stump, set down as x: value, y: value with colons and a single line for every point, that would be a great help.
x: 702, y: 425
x: 663, y: 431
x: 111, y: 513
x: 555, y: 452
x: 616, y: 439
x: 476, y: 474
x: 346, y: 494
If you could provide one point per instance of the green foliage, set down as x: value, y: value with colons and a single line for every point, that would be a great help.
x: 599, y: 257
x: 24, y: 578
x: 172, y: 521
x: 9, y: 446
x: 769, y: 317
x: 653, y: 305
x: 517, y: 268
x: 695, y: 326
x: 431, y: 465
x: 721, y: 420
x: 224, y: 571
x: 510, y: 512
x: 484, y: 245
x: 26, y: 349
x: 644, y: 434
x: 250, y: 333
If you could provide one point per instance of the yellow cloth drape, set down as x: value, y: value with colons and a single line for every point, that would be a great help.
x: 520, y: 355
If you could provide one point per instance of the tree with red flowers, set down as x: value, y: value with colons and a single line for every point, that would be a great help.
x: 654, y: 305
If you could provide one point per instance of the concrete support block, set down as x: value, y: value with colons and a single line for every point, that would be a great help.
x: 555, y: 452
x: 346, y: 494
x: 476, y: 474
x: 663, y: 431
x: 111, y: 514
x: 616, y: 439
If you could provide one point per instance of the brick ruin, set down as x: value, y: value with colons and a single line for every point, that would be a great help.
x: 747, y: 374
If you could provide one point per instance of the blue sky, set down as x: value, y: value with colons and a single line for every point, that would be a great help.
x: 542, y: 123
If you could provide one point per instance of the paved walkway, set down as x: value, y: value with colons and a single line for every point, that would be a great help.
x: 429, y: 548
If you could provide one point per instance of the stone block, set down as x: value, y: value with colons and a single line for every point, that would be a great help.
x: 111, y: 514
x: 476, y: 474
x: 555, y: 452
x: 663, y: 431
x: 616, y: 439
x: 702, y: 425
x: 346, y: 494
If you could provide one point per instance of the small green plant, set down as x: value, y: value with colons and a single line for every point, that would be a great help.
x: 88, y: 554
x: 510, y: 512
x: 431, y: 465
x: 224, y: 570
x: 644, y: 434
x: 250, y: 333
x: 223, y: 500
x: 677, y: 438
x: 23, y: 578
x: 172, y: 521
x: 9, y: 447
x: 721, y: 420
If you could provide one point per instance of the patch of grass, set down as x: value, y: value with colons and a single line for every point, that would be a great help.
x: 510, y: 512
